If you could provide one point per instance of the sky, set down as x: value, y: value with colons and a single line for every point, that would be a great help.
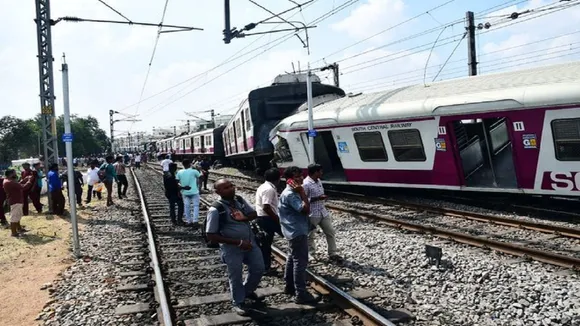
x: 378, y: 44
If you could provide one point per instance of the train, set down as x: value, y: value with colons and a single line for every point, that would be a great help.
x: 510, y: 132
x: 243, y: 140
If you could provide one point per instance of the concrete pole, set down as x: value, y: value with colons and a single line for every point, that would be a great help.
x: 69, y: 163
x: 310, y: 117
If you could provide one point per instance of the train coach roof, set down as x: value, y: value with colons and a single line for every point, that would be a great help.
x: 548, y: 85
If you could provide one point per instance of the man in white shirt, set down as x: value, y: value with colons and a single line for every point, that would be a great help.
x: 165, y: 163
x: 92, y: 179
x: 268, y: 219
x: 138, y: 161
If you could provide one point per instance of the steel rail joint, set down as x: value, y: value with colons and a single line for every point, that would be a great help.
x: 160, y: 288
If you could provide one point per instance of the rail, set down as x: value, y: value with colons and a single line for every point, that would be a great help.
x: 159, y: 286
x: 349, y: 304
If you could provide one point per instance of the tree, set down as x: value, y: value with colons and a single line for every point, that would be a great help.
x: 20, y: 138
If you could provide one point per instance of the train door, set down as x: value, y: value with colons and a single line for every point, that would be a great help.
x: 202, y: 143
x: 326, y: 154
x: 191, y: 144
x: 486, y: 153
x: 243, y: 130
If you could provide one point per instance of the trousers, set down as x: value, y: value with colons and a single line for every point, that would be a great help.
x: 187, y: 201
x: 326, y: 226
x: 295, y: 273
x: 175, y: 201
x: 90, y: 194
x: 122, y: 185
x: 57, y: 201
x: 270, y: 227
x: 234, y: 258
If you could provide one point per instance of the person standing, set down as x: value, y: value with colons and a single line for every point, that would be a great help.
x: 138, y: 161
x: 173, y: 194
x: 294, y: 210
x: 107, y: 175
x: 204, y: 165
x: 15, y: 195
x: 27, y: 173
x: 188, y: 177
x: 228, y: 224
x: 267, y: 208
x: 3, y: 220
x: 92, y: 179
x: 122, y: 182
x: 55, y: 190
x: 165, y: 163
x: 37, y: 190
x: 319, y: 216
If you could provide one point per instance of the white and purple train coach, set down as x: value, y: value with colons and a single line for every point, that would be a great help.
x: 513, y: 132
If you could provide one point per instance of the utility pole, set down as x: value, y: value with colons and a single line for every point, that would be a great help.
x: 46, y: 79
x: 311, y: 131
x: 67, y: 137
x: 129, y: 118
x: 174, y: 130
x: 334, y: 68
x: 471, y: 49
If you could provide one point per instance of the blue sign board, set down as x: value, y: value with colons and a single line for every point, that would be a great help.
x: 67, y: 137
x: 343, y: 147
x: 312, y: 133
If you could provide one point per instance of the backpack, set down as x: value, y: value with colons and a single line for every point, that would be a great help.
x: 102, y: 173
x: 222, y: 220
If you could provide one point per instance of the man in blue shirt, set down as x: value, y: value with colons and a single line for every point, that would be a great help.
x: 237, y: 243
x: 294, y: 209
x: 188, y: 177
x: 55, y: 190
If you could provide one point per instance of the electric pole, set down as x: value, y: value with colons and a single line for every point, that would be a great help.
x: 129, y: 118
x: 174, y: 130
x: 46, y: 79
x: 471, y: 49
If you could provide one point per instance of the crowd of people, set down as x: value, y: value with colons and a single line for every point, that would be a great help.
x: 245, y: 234
x: 19, y: 192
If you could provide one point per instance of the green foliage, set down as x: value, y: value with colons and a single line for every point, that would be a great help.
x: 20, y: 138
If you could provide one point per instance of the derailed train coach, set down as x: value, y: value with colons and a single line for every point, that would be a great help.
x: 246, y: 136
x: 512, y: 132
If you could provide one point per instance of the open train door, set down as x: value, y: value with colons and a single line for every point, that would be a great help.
x: 326, y: 154
x: 485, y: 150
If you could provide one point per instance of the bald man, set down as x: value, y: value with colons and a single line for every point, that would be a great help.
x: 228, y: 224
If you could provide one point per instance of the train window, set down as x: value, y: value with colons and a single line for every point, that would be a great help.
x: 407, y: 145
x: 566, y: 133
x: 196, y: 142
x: 248, y: 120
x: 371, y: 147
x: 282, y: 150
x: 238, y: 129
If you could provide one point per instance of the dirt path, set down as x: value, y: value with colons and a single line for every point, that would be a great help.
x: 27, y: 264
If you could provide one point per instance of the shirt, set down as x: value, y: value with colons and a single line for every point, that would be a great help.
x: 26, y: 173
x: 53, y: 181
x: 204, y: 164
x: 110, y: 173
x: 266, y: 194
x: 165, y: 164
x: 15, y: 191
x: 230, y: 228
x: 314, y: 189
x: 170, y: 184
x: 293, y: 222
x: 188, y: 177
x: 119, y: 168
x: 92, y: 176
x: 39, y: 180
x: 138, y: 159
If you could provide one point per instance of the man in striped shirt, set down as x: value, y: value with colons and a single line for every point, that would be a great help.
x: 319, y: 216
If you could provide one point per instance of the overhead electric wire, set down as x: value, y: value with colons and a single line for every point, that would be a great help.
x: 151, y: 59
x: 384, y: 30
x: 115, y: 10
x: 283, y: 39
x: 228, y: 60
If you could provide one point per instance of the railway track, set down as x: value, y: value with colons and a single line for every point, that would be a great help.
x: 190, y: 280
x: 519, y: 250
